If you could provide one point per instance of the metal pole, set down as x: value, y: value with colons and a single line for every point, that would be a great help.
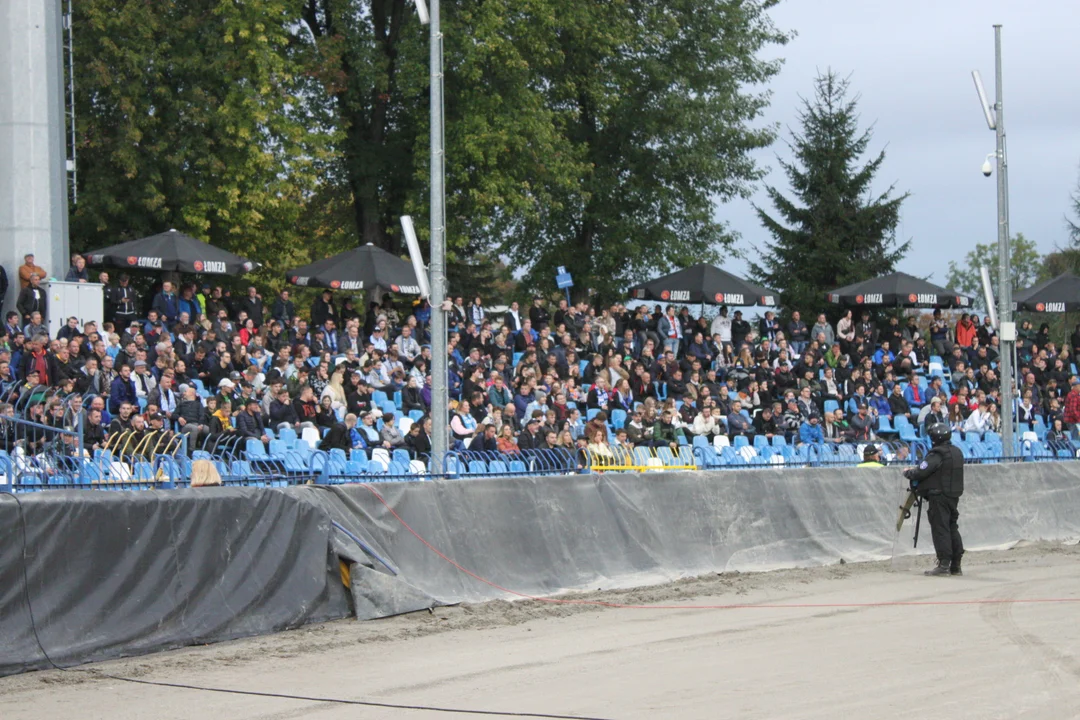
x: 1008, y: 327
x: 439, y: 369
x: 69, y: 23
x: 79, y: 443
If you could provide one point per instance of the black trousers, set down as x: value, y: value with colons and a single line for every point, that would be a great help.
x: 943, y: 515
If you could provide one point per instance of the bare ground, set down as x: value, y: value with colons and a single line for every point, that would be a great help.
x: 585, y: 659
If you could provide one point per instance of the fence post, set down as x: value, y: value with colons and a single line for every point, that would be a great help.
x: 79, y: 442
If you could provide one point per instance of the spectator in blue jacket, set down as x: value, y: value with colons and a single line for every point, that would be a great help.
x: 879, y: 402
x: 914, y: 394
x: 884, y: 355
x: 166, y: 304
x: 810, y: 431
x: 122, y: 390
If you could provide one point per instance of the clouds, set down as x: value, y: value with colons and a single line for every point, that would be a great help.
x: 911, y: 63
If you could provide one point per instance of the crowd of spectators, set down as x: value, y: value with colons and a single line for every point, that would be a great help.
x: 194, y: 360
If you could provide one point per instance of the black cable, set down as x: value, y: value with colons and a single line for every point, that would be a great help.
x: 253, y: 693
x: 366, y: 703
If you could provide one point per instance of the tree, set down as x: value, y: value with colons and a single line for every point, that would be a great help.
x: 656, y: 99
x: 1073, y: 225
x: 503, y: 147
x: 592, y: 135
x: 1024, y: 261
x: 189, y: 116
x: 836, y: 231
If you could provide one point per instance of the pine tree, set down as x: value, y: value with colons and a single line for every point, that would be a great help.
x: 835, y: 231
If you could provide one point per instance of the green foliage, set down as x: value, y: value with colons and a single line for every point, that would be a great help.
x: 484, y: 277
x: 595, y: 135
x: 190, y: 116
x: 1058, y: 263
x: 656, y: 99
x: 1024, y: 261
x: 1073, y: 224
x: 836, y: 231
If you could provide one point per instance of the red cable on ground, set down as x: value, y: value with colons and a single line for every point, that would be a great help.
x: 731, y: 606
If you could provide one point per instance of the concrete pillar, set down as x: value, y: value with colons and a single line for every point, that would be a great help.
x: 33, y: 156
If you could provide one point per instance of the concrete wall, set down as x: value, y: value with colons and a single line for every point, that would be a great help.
x: 33, y: 179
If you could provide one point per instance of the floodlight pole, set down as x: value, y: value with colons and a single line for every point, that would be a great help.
x: 1007, y: 328
x: 439, y: 365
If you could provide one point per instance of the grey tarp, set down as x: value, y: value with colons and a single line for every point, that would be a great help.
x: 540, y: 536
x: 115, y: 574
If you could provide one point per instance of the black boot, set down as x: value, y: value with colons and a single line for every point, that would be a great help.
x: 954, y: 568
x: 942, y: 568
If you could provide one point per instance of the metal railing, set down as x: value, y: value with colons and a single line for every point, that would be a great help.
x: 129, y: 462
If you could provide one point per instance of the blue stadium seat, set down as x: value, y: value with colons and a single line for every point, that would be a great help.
x: 618, y: 418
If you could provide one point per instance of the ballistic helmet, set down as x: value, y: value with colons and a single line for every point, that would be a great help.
x: 939, y: 434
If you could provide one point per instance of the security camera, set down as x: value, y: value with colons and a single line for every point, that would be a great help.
x: 987, y: 168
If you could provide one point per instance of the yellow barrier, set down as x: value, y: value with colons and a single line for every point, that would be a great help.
x: 616, y: 458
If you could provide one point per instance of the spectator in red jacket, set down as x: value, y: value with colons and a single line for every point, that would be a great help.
x: 1072, y: 406
x: 965, y: 331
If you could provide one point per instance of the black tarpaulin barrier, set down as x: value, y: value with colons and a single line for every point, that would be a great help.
x: 113, y: 574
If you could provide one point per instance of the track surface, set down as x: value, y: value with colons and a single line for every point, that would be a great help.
x: 978, y: 661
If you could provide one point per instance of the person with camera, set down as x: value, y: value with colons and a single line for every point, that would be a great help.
x: 939, y: 479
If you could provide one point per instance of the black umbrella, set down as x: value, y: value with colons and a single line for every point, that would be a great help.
x: 362, y: 268
x: 898, y: 290
x: 1060, y: 294
x: 171, y: 251
x: 704, y: 283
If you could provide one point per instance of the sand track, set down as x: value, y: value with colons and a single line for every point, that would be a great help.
x: 1002, y: 660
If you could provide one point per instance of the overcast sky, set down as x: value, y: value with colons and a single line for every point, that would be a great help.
x: 911, y: 62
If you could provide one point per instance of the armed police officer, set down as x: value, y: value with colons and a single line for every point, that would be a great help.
x: 939, y: 479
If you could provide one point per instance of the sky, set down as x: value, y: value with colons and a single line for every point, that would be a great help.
x: 911, y: 62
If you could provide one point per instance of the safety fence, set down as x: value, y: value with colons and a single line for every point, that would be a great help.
x: 162, y: 460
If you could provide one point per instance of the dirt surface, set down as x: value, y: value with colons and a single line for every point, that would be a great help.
x: 849, y: 640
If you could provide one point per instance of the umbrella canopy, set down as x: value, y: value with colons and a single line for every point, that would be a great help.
x: 171, y: 251
x: 898, y: 290
x: 362, y: 268
x: 1060, y: 294
x: 704, y: 283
